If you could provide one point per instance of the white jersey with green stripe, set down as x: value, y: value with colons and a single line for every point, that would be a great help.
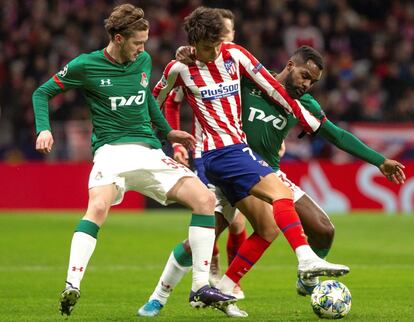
x: 122, y: 107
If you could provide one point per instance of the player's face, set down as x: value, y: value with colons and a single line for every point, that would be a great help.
x: 131, y: 47
x: 207, y: 51
x: 228, y: 23
x: 301, y: 78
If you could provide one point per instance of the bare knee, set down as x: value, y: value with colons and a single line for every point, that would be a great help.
x: 204, y: 203
x: 284, y: 194
x: 268, y: 233
x: 97, y: 210
x: 192, y: 193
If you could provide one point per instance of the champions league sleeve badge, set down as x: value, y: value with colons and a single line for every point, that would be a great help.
x: 144, y: 79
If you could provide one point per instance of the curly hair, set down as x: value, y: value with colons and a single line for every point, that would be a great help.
x: 204, y: 24
x: 125, y: 19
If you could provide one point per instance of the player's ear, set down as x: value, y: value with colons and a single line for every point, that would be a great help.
x: 118, y: 39
x: 290, y: 65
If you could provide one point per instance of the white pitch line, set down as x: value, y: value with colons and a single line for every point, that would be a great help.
x: 103, y: 268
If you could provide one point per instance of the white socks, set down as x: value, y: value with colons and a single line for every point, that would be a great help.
x: 226, y: 285
x: 304, y: 253
x: 170, y: 277
x: 81, y: 251
x: 201, y: 242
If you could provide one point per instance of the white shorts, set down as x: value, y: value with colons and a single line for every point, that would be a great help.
x: 229, y: 212
x: 297, y: 191
x: 224, y: 207
x: 136, y: 167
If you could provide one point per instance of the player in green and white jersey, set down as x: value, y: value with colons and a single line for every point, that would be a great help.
x: 127, y: 154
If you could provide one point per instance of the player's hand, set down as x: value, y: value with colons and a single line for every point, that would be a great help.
x: 44, y: 142
x: 182, y: 137
x: 393, y: 170
x: 180, y: 154
x: 185, y: 55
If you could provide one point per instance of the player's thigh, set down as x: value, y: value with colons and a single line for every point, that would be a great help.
x: 223, y: 205
x: 152, y: 173
x: 191, y: 192
x: 108, y: 162
x: 100, y: 200
x: 271, y: 188
x: 235, y: 169
x: 238, y: 224
x: 260, y: 216
x: 314, y: 219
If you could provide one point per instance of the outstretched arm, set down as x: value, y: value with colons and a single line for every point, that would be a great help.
x: 348, y: 142
x: 393, y: 170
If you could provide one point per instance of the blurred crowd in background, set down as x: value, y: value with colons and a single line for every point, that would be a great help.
x: 367, y: 46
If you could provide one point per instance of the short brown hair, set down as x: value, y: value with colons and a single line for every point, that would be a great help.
x: 204, y: 24
x: 226, y: 13
x: 126, y: 19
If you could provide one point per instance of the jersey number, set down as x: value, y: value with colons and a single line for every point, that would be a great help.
x: 174, y: 164
x: 248, y: 150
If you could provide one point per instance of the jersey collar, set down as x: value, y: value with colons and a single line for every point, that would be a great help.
x: 113, y: 61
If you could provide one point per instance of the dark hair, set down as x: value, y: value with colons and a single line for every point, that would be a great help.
x: 204, y: 24
x: 125, y: 20
x: 226, y: 13
x: 305, y: 53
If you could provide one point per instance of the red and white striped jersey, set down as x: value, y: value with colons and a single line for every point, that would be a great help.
x: 213, y: 92
x: 172, y: 107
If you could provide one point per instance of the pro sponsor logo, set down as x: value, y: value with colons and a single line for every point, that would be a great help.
x: 217, y: 91
x: 119, y: 101
x: 278, y: 122
x: 64, y: 71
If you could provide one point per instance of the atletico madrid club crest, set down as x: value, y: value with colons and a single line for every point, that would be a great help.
x: 144, y: 79
x: 230, y: 67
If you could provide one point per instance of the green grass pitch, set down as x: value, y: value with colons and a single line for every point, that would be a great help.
x: 132, y: 249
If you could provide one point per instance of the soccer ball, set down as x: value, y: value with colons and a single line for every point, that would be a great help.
x: 331, y: 300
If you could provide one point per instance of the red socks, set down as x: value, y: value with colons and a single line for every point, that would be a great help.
x: 234, y: 241
x: 289, y: 223
x: 249, y: 253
